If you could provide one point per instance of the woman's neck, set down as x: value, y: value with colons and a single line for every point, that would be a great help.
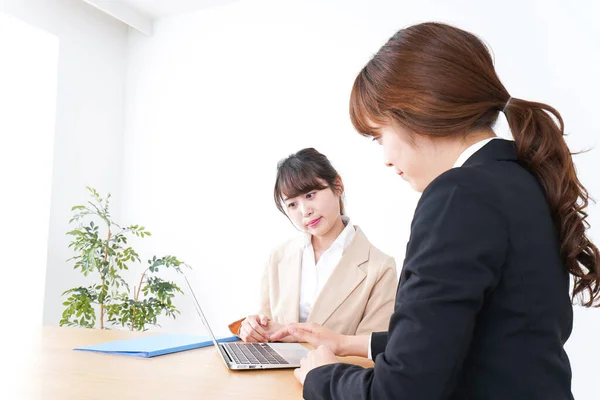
x: 322, y: 243
x: 458, y: 147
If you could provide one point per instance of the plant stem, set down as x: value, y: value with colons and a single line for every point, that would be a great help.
x: 103, y: 283
x: 135, y: 297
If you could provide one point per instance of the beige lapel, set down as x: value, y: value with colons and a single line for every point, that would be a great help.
x: 346, y: 276
x: 290, y: 275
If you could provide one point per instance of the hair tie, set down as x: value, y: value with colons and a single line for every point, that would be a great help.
x: 507, y: 103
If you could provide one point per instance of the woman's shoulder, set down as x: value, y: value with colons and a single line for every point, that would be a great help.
x: 463, y: 195
x: 376, y: 256
x: 459, y: 187
x: 282, y: 249
x: 472, y: 179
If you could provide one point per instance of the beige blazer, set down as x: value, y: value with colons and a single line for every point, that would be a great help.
x: 358, y: 298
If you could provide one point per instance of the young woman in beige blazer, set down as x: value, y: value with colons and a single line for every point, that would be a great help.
x: 333, y: 275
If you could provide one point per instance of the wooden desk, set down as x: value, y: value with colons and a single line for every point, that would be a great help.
x: 54, y: 371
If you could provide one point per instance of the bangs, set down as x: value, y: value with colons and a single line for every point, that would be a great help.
x: 365, y: 112
x: 295, y: 179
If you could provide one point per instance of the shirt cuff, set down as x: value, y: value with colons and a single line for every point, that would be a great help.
x: 369, y: 355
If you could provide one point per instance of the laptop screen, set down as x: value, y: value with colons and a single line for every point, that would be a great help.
x: 200, y: 313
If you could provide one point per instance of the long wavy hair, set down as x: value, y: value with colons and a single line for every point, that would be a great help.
x: 438, y: 80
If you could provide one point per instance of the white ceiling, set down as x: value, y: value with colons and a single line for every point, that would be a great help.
x: 141, y: 14
x: 161, y: 8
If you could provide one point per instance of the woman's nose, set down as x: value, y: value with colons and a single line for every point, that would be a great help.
x: 306, y: 210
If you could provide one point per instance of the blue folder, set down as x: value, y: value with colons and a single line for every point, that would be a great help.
x: 152, y: 346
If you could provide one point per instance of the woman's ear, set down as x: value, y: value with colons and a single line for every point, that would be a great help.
x: 339, y: 186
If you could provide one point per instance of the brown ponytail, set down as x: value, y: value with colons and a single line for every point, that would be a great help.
x: 438, y: 80
x: 541, y: 147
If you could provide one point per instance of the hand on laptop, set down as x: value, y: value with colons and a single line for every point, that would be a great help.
x: 316, y: 358
x: 258, y: 328
x: 314, y: 334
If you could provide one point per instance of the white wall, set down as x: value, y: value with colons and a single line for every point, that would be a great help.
x: 217, y: 97
x: 28, y: 82
x: 89, y: 122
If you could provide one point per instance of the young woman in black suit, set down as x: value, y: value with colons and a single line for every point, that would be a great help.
x: 483, y: 306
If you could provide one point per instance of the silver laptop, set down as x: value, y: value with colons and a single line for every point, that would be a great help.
x: 246, y: 356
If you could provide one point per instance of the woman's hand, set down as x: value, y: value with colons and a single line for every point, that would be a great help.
x: 314, y: 359
x: 314, y: 334
x: 253, y: 329
x: 259, y: 328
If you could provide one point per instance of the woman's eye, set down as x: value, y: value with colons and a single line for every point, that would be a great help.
x: 291, y: 205
x: 310, y: 195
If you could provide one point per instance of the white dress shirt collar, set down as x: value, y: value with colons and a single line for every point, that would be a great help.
x: 343, y: 239
x: 472, y: 149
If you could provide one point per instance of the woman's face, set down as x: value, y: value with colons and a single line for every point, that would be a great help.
x: 416, y: 158
x: 315, y: 212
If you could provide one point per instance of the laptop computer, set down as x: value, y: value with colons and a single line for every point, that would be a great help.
x: 247, y: 356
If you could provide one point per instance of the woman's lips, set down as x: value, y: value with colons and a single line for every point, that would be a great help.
x: 314, y: 222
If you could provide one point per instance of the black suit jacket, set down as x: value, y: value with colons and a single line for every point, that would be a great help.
x: 482, y: 308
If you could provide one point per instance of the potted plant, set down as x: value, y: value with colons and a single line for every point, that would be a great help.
x: 101, y: 250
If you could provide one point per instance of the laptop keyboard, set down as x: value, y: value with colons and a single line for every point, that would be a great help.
x: 254, y: 353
